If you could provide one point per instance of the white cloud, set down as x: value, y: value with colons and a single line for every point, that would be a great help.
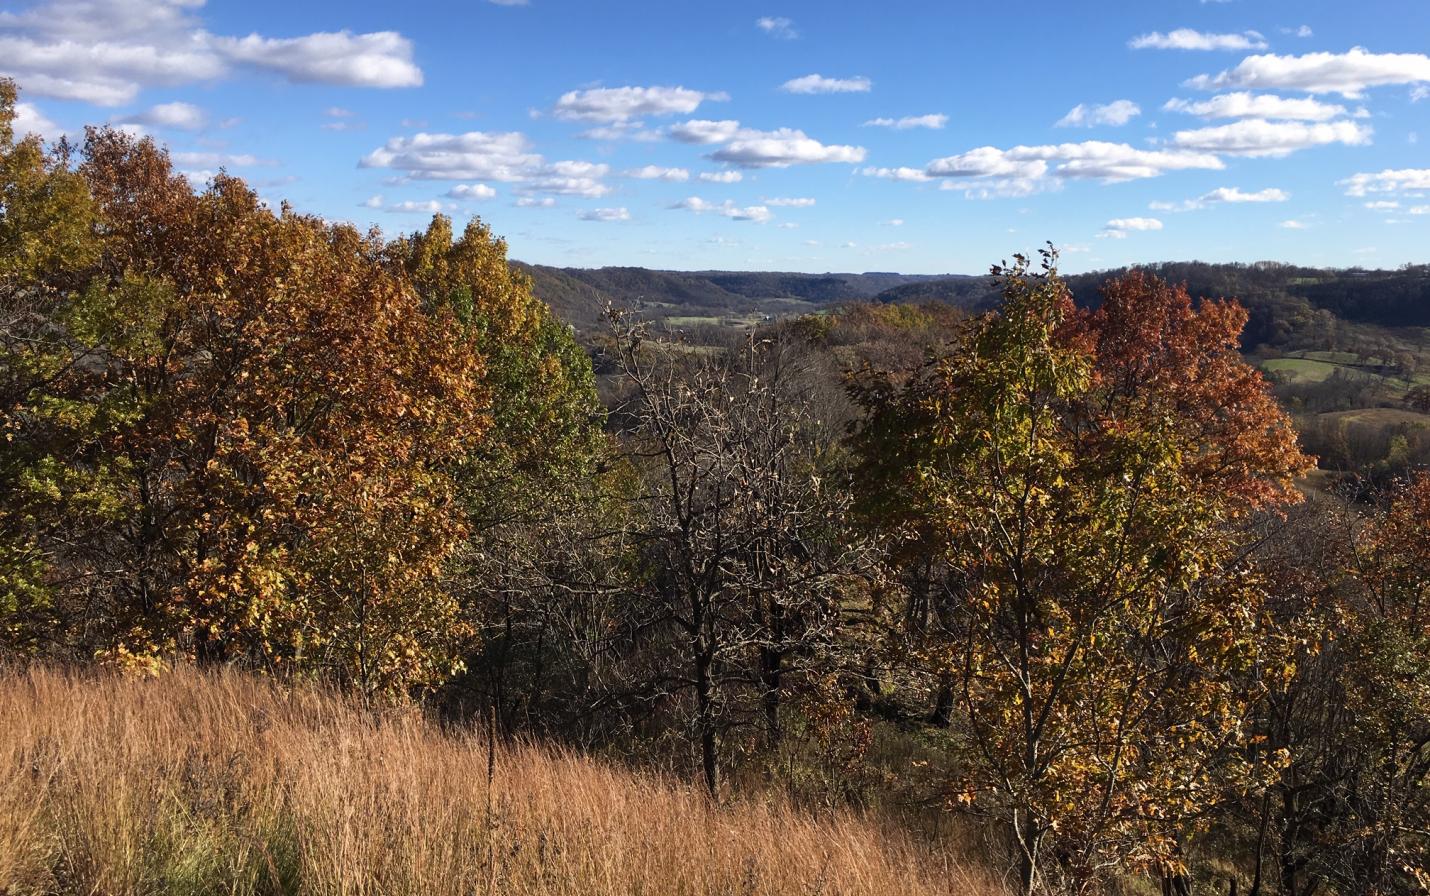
x: 475, y: 155
x: 1387, y: 181
x: 1382, y: 205
x: 820, y: 84
x: 1118, y: 228
x: 1027, y: 166
x: 622, y: 130
x: 1419, y: 93
x: 1349, y: 74
x: 777, y: 26
x: 30, y: 120
x: 1303, y: 31
x: 721, y: 177
x: 1251, y: 105
x: 1189, y: 39
x: 409, y: 206
x: 1223, y: 195
x: 107, y: 52
x: 1292, y: 224
x: 896, y: 222
x: 621, y: 104
x: 902, y: 173
x: 1118, y: 112
x: 934, y: 121
x: 568, y: 179
x: 607, y: 215
x: 704, y: 131
x: 728, y: 209
x: 655, y: 172
x: 789, y: 203
x: 782, y: 148
x: 1258, y: 137
x: 535, y: 202
x: 380, y: 59
x: 472, y: 191
x: 176, y: 116
x: 1235, y: 194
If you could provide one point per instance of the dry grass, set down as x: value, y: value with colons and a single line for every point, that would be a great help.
x: 206, y: 784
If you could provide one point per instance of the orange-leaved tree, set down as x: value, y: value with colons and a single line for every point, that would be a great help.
x: 1082, y: 473
x: 252, y: 456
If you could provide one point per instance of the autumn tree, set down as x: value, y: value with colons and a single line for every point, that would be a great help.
x: 531, y: 487
x: 1081, y: 473
x: 254, y: 458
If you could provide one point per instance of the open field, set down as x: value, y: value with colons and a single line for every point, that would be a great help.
x: 200, y: 784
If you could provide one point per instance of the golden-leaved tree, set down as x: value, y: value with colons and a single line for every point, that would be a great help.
x: 240, y: 438
x: 1082, y: 474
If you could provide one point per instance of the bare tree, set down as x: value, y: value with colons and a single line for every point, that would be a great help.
x: 738, y: 526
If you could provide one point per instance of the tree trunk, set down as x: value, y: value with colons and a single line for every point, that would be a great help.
x: 1030, y: 841
x: 771, y: 673
x: 705, y: 717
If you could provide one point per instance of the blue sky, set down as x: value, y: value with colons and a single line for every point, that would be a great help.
x: 899, y: 136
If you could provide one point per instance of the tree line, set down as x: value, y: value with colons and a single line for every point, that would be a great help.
x: 1061, y: 550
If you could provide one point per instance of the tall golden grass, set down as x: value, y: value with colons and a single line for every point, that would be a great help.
x: 197, y: 783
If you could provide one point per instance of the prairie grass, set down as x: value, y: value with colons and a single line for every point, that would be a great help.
x: 222, y: 783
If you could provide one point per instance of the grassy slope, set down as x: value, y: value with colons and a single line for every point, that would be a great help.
x: 194, y: 784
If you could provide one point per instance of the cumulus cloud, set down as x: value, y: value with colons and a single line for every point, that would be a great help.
x: 1190, y: 39
x: 819, y: 84
x: 728, y: 209
x: 1349, y: 74
x: 107, y: 52
x: 903, y: 173
x: 655, y: 172
x: 29, y: 120
x: 777, y: 26
x: 534, y: 202
x: 408, y: 206
x: 800, y: 202
x: 703, y: 131
x: 1252, y: 105
x: 721, y: 177
x: 380, y: 59
x: 606, y: 215
x: 1234, y: 194
x: 1390, y: 180
x: 1115, y: 113
x: 622, y: 104
x: 174, y: 116
x: 1118, y: 228
x: 476, y: 155
x: 782, y: 148
x: 1028, y: 166
x: 472, y: 191
x: 934, y: 122
x: 1223, y: 195
x: 1258, y: 137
